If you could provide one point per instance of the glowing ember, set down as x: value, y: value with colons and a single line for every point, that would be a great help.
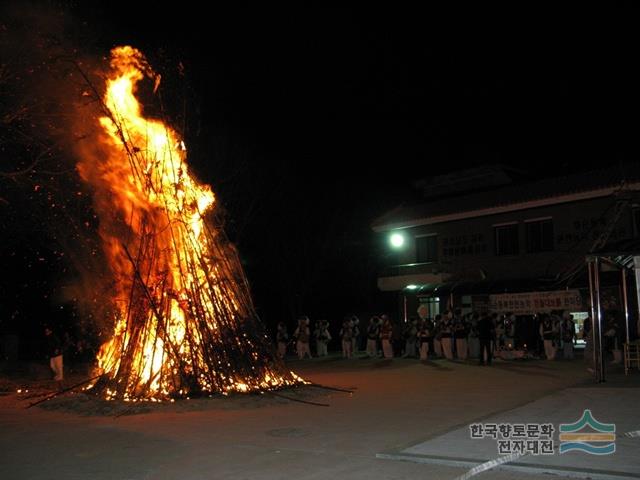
x: 185, y: 323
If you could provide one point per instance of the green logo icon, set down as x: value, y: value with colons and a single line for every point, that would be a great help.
x: 599, y: 439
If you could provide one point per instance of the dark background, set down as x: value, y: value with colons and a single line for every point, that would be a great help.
x: 310, y: 123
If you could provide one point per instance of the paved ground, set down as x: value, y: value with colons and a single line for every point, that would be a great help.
x: 396, y: 405
x: 618, y: 406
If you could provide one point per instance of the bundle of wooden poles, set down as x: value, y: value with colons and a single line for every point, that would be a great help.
x: 185, y: 322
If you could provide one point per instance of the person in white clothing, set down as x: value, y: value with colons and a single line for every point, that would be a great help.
x: 302, y: 335
x: 424, y: 338
x: 547, y: 332
x: 446, y: 334
x: 346, y: 334
x: 373, y: 334
x: 460, y: 332
x: 323, y: 337
x: 282, y: 338
x: 355, y: 338
x: 54, y: 351
x: 386, y: 336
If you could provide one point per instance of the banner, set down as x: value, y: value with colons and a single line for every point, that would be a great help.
x: 529, y: 303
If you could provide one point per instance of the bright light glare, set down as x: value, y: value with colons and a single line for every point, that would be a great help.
x: 397, y: 240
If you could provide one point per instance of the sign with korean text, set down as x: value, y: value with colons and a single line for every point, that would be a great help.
x: 529, y: 303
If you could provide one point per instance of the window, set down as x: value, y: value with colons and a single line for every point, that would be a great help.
x: 507, y: 239
x: 429, y: 307
x: 427, y: 249
x: 539, y: 235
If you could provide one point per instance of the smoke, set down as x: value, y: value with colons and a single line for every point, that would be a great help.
x: 48, y: 110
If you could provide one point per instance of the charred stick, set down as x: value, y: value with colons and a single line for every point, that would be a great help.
x: 65, y: 390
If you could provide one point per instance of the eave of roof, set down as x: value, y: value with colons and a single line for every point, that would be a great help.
x: 509, y: 207
x: 549, y: 191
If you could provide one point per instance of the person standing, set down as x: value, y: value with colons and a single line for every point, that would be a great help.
x: 460, y: 332
x: 474, y: 344
x: 424, y: 338
x: 282, y: 338
x: 55, y: 354
x: 446, y: 334
x: 302, y: 335
x: 410, y: 335
x: 346, y: 334
x: 386, y: 336
x: 323, y: 337
x: 568, y: 335
x: 611, y: 337
x: 547, y: 332
x: 437, y: 336
x: 373, y: 334
x: 486, y: 333
x: 355, y: 339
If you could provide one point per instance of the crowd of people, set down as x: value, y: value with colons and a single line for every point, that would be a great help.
x: 452, y: 336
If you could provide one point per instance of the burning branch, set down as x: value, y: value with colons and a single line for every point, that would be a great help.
x: 186, y: 323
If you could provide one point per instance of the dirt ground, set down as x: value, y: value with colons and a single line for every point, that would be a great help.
x: 335, y: 435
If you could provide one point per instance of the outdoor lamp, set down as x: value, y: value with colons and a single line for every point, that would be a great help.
x: 396, y: 240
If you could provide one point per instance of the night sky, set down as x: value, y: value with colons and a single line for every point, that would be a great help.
x: 310, y: 123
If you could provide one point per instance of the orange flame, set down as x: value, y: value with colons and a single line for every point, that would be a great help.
x: 184, y: 310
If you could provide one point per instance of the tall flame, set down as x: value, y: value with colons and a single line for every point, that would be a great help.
x: 185, y: 321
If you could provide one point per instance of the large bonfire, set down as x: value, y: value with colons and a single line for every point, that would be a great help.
x: 185, y: 323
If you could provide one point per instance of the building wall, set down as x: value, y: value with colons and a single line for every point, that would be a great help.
x: 466, y: 248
